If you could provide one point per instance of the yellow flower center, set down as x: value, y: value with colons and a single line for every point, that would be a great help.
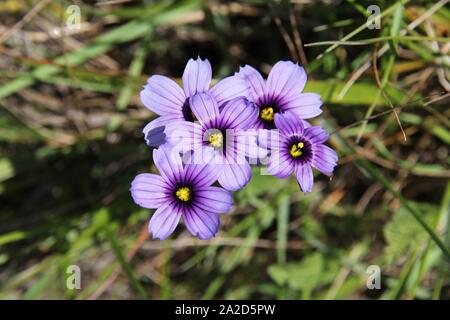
x: 184, y: 194
x: 296, y: 149
x: 267, y: 114
x: 216, y: 139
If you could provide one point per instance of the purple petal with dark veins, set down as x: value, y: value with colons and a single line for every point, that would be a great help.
x: 325, y: 159
x: 239, y: 114
x: 213, y: 199
x: 162, y: 95
x: 204, y: 107
x: 165, y: 220
x: 235, y: 176
x: 229, y: 88
x: 201, y: 224
x: 280, y: 164
x: 316, y: 134
x: 184, y: 135
x: 149, y: 190
x: 288, y: 124
x: 269, y: 139
x: 168, y: 162
x: 154, y: 131
x: 201, y: 175
x: 285, y: 79
x: 254, y: 78
x: 305, y: 177
x: 304, y: 105
x: 196, y: 76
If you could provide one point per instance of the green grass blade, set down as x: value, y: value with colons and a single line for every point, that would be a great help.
x: 125, y: 264
x: 282, y: 227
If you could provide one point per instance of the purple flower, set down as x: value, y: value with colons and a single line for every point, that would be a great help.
x: 164, y: 96
x: 281, y: 92
x: 222, y: 136
x: 297, y: 149
x: 181, y: 191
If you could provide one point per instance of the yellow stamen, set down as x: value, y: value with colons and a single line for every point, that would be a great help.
x: 267, y: 114
x: 296, y: 149
x: 216, y: 139
x: 184, y: 194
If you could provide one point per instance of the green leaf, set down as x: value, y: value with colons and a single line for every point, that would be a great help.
x: 360, y: 94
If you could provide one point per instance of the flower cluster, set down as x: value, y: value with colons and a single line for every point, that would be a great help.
x: 206, y: 135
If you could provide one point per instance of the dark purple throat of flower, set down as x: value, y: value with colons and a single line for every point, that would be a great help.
x: 299, y: 149
x: 187, y: 112
x: 267, y: 114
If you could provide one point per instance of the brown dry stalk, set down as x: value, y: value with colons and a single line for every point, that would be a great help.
x: 298, y: 39
x: 287, y: 39
x: 27, y: 18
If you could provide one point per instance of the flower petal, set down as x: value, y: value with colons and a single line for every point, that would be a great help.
x: 269, y: 139
x: 234, y: 176
x: 149, y: 190
x: 168, y: 162
x: 304, y: 105
x: 247, y: 144
x: 239, y: 114
x: 213, y: 199
x: 201, y: 224
x: 205, y: 155
x: 165, y: 220
x: 254, y: 79
x: 325, y: 159
x: 289, y: 124
x: 201, y: 175
x: 285, y: 79
x: 162, y: 95
x: 280, y: 164
x: 228, y: 89
x: 316, y: 134
x: 204, y: 107
x: 196, y: 76
x: 154, y: 131
x: 184, y: 135
x: 305, y: 177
